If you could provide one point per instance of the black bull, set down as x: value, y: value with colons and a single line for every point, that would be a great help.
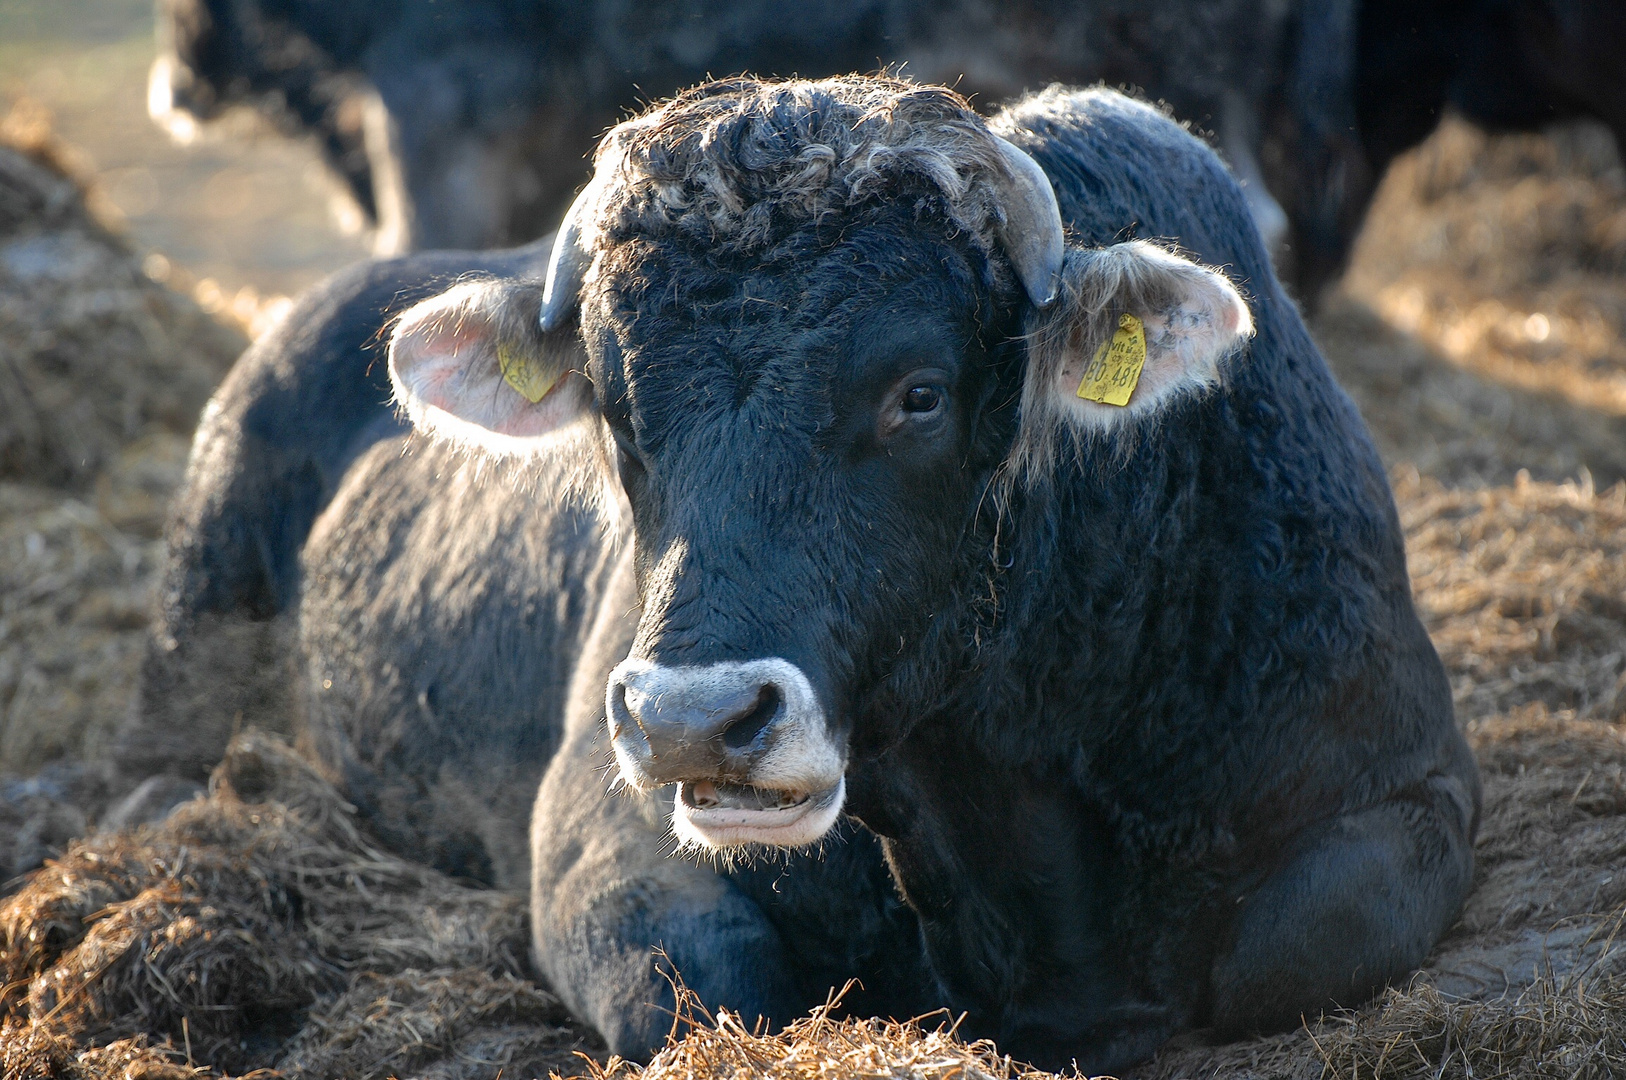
x: 1127, y: 709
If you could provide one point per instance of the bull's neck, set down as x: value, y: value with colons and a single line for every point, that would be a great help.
x: 995, y: 830
x: 1011, y: 870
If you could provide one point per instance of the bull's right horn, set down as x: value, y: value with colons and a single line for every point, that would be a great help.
x: 572, y: 253
x: 568, y: 263
x: 1031, y: 235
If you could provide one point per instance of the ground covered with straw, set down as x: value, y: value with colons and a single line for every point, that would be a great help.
x: 258, y: 930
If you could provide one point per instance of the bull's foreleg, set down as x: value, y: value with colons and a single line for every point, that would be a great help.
x: 1358, y: 903
x: 614, y: 914
x: 613, y: 911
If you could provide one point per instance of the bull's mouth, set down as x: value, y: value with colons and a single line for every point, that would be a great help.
x: 715, y: 814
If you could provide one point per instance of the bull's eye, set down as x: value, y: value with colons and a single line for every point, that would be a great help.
x: 922, y: 399
x: 916, y: 404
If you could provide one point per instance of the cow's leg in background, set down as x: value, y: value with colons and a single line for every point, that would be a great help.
x: 441, y: 181
x: 1239, y: 138
x: 388, y: 194
x: 1357, y: 903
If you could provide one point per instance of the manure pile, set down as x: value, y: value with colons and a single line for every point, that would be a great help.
x: 102, y: 375
x: 259, y: 929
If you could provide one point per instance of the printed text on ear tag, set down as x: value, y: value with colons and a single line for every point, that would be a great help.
x: 1113, y: 373
x: 525, y: 373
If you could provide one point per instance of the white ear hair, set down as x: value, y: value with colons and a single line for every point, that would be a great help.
x: 471, y: 366
x: 1190, y: 319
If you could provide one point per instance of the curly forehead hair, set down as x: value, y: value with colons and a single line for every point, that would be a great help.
x: 734, y: 162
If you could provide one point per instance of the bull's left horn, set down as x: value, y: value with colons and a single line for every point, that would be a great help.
x: 572, y: 253
x: 1031, y: 235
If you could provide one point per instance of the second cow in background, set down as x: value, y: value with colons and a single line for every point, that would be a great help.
x: 467, y: 123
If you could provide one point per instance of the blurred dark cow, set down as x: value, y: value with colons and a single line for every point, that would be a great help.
x: 463, y: 123
x: 466, y: 123
x: 860, y: 491
x: 1507, y: 65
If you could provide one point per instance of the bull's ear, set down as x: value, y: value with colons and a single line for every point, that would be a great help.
x: 473, y: 366
x: 1134, y: 329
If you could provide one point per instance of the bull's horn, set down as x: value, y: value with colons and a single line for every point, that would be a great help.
x: 568, y: 263
x: 1031, y: 235
x: 572, y: 255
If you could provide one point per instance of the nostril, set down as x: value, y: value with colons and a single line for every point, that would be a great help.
x: 743, y: 731
x: 621, y: 713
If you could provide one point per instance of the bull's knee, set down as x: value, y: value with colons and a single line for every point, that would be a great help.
x: 1357, y: 905
x: 616, y: 955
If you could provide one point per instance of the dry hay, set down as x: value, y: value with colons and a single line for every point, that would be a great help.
x: 1523, y: 590
x: 102, y: 374
x: 1456, y: 425
x: 1482, y: 325
x: 260, y: 928
x: 74, y: 599
x: 1506, y: 254
x: 820, y: 1046
x: 77, y: 575
x: 34, y: 1053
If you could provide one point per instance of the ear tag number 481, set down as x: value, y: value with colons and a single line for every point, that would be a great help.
x: 1117, y: 364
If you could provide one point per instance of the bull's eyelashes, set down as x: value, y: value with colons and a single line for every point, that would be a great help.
x: 628, y: 462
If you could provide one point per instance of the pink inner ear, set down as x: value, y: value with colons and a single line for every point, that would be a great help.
x: 557, y: 407
x: 433, y: 361
x: 443, y: 363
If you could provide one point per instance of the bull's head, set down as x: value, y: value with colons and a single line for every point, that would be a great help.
x: 809, y: 327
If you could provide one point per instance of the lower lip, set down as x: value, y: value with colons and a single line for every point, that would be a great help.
x: 792, y: 826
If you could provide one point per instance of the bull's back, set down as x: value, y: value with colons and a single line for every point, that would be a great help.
x: 444, y: 607
x: 289, y: 429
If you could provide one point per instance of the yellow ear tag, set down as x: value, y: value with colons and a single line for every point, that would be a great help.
x: 524, y: 372
x: 1116, y: 367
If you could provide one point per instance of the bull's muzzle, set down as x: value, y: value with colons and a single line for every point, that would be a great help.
x: 747, y: 744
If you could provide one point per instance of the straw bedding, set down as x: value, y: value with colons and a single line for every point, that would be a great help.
x: 1482, y: 325
x: 93, y: 354
x: 259, y: 929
